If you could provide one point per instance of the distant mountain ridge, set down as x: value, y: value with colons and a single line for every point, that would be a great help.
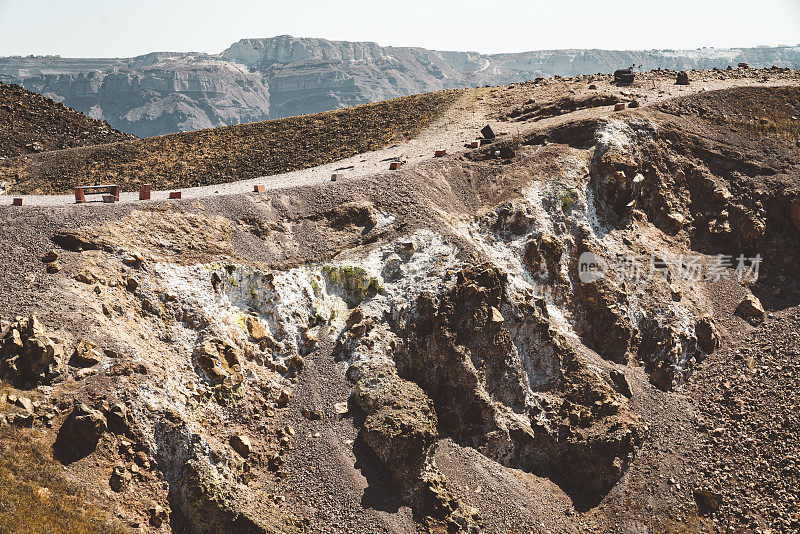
x: 259, y: 79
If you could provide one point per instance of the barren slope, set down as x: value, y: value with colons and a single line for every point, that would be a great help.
x: 31, y: 123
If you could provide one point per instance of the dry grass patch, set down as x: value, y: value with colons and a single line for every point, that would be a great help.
x: 231, y: 153
x: 35, y: 496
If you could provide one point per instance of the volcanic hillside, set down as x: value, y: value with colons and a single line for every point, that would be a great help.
x: 222, y: 155
x: 418, y: 350
x: 31, y: 123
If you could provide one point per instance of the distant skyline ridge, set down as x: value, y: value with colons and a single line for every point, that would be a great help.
x: 98, y: 28
x: 166, y: 53
x: 709, y: 50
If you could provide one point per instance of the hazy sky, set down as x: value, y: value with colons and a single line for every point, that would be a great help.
x: 117, y: 28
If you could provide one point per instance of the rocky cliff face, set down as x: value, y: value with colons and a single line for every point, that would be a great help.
x: 309, y: 75
x: 258, y: 79
x: 161, y: 93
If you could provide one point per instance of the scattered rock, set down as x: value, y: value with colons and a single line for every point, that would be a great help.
x: 677, y: 219
x: 750, y: 309
x: 80, y: 374
x: 341, y: 409
x: 157, y: 515
x: 405, y: 249
x: 120, y: 479
x: 707, y: 501
x: 220, y: 362
x: 25, y: 403
x: 85, y: 355
x: 117, y: 419
x: 22, y: 420
x: 131, y: 284
x: 134, y: 259
x: 312, y: 415
x: 51, y: 256
x: 241, y: 444
x: 284, y: 397
x: 620, y: 382
x: 255, y: 329
x: 356, y: 316
x: 495, y: 316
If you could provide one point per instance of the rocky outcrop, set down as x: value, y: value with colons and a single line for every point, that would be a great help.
x: 708, y: 337
x: 604, y: 322
x: 208, y: 505
x: 162, y: 93
x: 27, y: 354
x: 503, y: 381
x: 219, y: 362
x: 401, y: 428
x: 205, y: 491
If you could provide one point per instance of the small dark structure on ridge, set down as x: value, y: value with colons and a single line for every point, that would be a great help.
x: 623, y: 76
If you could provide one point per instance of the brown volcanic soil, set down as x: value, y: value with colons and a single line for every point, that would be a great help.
x: 31, y: 123
x: 731, y: 429
x: 222, y: 155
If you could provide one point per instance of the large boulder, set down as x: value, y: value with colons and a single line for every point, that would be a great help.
x: 80, y: 433
x: 212, y: 505
x: 707, y: 335
x: 400, y: 425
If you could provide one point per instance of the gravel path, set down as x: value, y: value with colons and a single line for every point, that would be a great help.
x: 451, y: 132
